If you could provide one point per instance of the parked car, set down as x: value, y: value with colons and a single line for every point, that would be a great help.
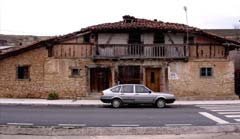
x: 135, y: 94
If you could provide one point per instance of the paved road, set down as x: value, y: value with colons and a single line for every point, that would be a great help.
x: 143, y: 116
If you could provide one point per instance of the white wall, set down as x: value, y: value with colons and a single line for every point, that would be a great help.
x: 176, y: 38
x: 147, y: 38
x: 113, y: 38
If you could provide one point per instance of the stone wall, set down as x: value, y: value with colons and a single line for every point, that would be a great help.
x: 47, y: 75
x: 58, y: 78
x: 189, y: 85
x: 10, y: 86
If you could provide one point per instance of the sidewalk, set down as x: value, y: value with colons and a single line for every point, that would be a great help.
x: 69, y: 102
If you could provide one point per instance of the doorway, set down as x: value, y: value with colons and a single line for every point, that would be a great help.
x: 100, y: 79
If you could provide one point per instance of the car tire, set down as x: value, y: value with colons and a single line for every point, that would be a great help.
x: 160, y: 103
x: 116, y: 103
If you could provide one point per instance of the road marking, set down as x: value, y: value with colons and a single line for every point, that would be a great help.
x: 233, y: 116
x: 228, y: 112
x: 238, y: 120
x: 225, y: 110
x: 124, y: 125
x: 214, y: 118
x: 73, y: 125
x: 209, y: 106
x: 178, y: 124
x: 26, y: 124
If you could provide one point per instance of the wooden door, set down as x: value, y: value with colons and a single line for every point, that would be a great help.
x: 99, y: 79
x: 153, y: 78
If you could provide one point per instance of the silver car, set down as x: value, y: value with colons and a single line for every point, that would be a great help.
x: 135, y: 94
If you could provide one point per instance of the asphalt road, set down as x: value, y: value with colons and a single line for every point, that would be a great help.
x: 143, y: 116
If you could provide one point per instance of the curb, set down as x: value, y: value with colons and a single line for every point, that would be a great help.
x: 99, y: 131
x: 37, y: 104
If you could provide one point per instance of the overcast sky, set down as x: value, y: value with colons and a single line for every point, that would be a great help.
x: 57, y: 17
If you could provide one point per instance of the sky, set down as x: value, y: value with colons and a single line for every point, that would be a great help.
x: 58, y: 17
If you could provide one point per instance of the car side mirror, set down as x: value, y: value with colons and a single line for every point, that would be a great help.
x: 149, y: 92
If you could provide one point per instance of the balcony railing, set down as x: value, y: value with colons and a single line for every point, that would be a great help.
x: 157, y: 51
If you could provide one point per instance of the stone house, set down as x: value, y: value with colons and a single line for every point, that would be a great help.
x: 163, y: 56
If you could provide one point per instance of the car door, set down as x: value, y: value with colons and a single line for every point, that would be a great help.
x: 127, y: 93
x: 143, y: 94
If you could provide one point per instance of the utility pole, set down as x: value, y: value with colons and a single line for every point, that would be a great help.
x: 185, y: 9
x: 186, y: 49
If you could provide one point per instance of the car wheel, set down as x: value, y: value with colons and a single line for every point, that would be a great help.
x: 160, y: 103
x: 116, y: 103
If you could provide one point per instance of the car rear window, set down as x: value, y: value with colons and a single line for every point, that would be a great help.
x: 116, y: 89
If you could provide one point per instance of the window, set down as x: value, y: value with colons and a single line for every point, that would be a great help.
x: 75, y: 72
x: 129, y: 74
x: 206, y: 72
x: 116, y: 89
x: 134, y: 38
x: 127, y: 89
x: 86, y: 38
x: 152, y: 77
x: 141, y: 89
x: 23, y: 72
x: 190, y: 40
x: 159, y: 38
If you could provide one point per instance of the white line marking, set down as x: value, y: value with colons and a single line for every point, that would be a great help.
x: 214, y: 118
x: 230, y: 124
x: 238, y: 120
x: 178, y: 124
x: 223, y: 108
x: 75, y: 125
x: 27, y: 124
x: 124, y: 125
x: 232, y: 116
x: 233, y: 105
x: 228, y: 112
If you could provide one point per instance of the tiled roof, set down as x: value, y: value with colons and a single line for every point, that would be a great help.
x: 130, y: 22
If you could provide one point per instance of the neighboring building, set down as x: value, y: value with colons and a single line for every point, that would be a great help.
x: 133, y: 50
x: 233, y: 34
x: 9, y: 41
x: 19, y: 40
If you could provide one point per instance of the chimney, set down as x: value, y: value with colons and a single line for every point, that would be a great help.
x: 128, y: 19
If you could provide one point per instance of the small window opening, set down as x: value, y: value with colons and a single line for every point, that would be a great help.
x: 86, y: 38
x: 206, y: 72
x: 23, y: 72
x: 190, y: 40
x: 75, y: 72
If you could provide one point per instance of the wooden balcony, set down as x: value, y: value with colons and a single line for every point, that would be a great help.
x: 140, y: 51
